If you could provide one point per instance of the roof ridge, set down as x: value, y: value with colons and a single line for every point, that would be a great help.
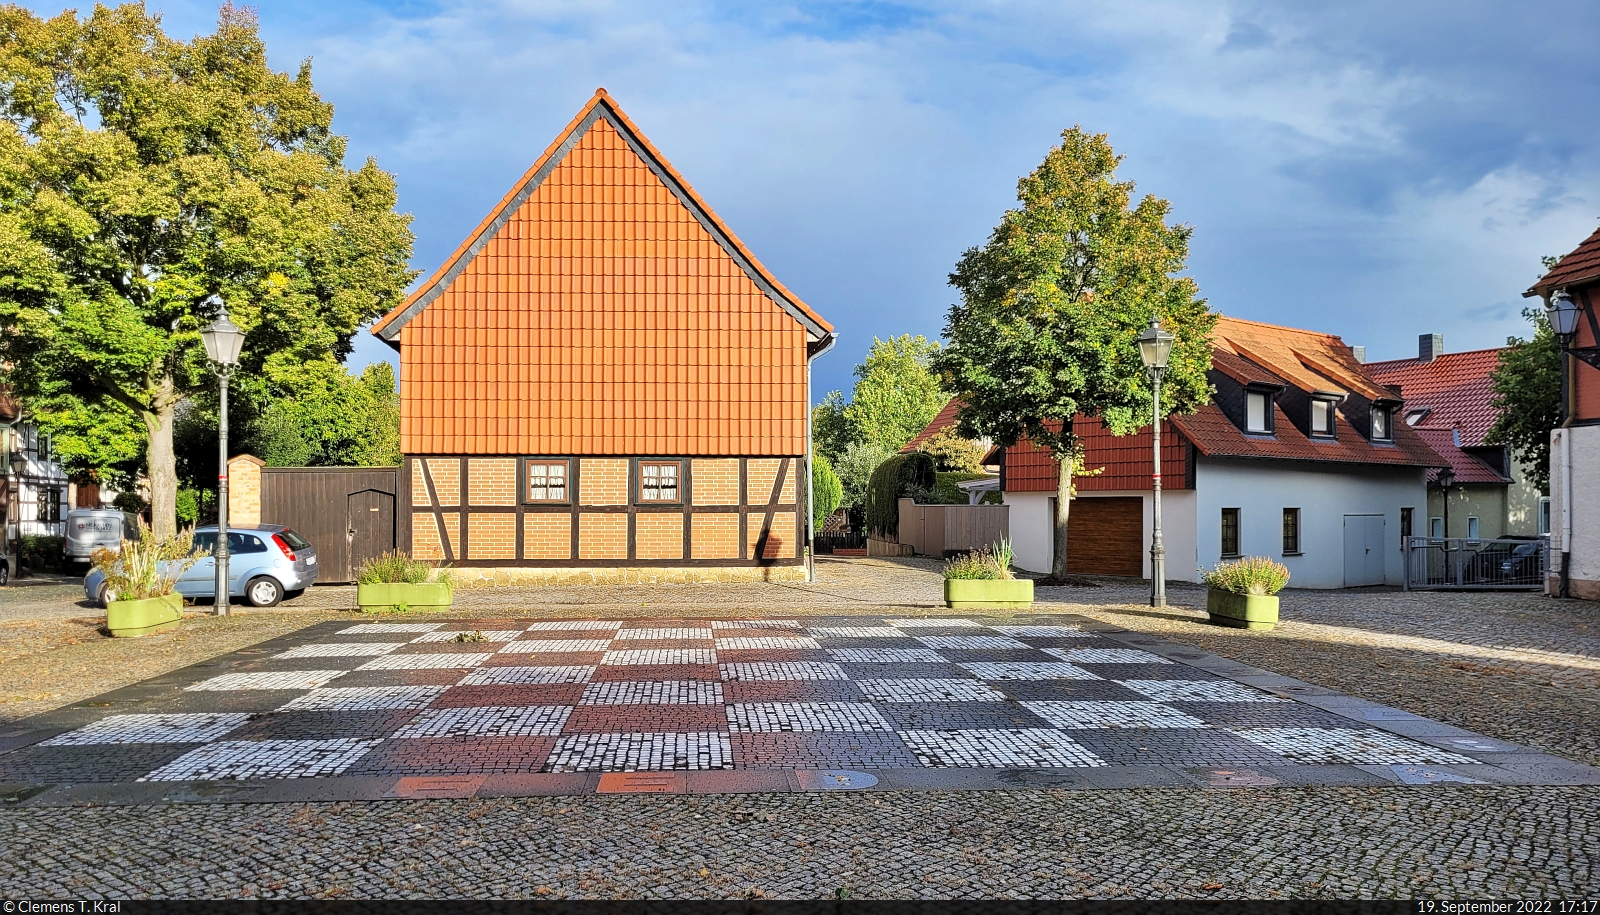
x: 1465, y: 352
x: 1297, y: 330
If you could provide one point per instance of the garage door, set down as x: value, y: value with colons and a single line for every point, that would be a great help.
x: 1105, y: 536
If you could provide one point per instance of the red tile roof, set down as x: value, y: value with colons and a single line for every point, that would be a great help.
x: 1214, y: 435
x: 1468, y: 469
x: 1581, y: 266
x: 1455, y: 387
x: 602, y: 308
x: 944, y: 419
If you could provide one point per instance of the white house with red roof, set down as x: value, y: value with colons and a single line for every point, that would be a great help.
x: 1448, y: 401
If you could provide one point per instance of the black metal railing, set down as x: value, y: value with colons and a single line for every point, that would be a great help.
x: 1457, y: 563
x: 827, y: 543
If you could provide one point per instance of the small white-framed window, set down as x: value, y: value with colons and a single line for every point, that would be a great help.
x: 1544, y: 515
x: 1322, y: 417
x: 1257, y: 411
x: 1436, y: 528
x: 1472, y: 528
x: 1380, y: 425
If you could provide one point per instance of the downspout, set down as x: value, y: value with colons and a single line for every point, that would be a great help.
x: 811, y: 496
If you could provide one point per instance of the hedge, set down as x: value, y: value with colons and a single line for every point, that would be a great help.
x: 826, y: 491
x: 902, y: 475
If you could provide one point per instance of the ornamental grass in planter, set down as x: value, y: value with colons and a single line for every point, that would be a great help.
x: 142, y: 582
x: 1244, y: 593
x: 982, y: 579
x: 394, y: 582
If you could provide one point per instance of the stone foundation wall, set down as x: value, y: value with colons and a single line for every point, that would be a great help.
x: 522, y: 577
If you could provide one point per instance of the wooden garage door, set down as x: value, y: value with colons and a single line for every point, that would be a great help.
x: 1105, y: 536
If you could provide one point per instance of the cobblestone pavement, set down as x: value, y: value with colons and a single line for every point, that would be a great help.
x: 1295, y: 842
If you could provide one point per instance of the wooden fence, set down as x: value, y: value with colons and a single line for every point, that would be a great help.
x: 934, y: 530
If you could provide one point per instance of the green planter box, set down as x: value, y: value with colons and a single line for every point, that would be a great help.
x: 429, y: 595
x: 1242, y: 611
x: 132, y: 618
x: 962, y: 594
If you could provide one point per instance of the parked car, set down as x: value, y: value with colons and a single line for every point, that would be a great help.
x: 89, y: 529
x: 266, y: 562
x: 1503, y: 563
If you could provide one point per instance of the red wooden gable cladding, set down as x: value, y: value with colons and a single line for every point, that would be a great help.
x: 602, y: 309
x: 1126, y: 461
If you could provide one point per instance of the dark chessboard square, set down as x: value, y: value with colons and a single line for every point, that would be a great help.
x: 428, y: 676
x: 314, y: 725
x: 541, y: 659
x: 91, y: 763
x: 836, y: 750
x: 959, y: 716
x: 1066, y: 690
x: 979, y: 655
x: 510, y: 694
x: 1052, y: 641
x: 450, y: 647
x: 859, y: 670
x: 270, y: 664
x: 750, y: 655
x: 239, y: 700
x: 454, y: 756
x: 1148, y: 671
x: 1174, y: 746
x: 743, y: 691
x: 1261, y: 715
x: 656, y: 672
x: 646, y: 719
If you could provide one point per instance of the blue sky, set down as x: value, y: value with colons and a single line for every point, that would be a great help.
x: 1372, y: 169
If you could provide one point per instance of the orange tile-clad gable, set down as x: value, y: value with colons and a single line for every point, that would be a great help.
x: 602, y: 309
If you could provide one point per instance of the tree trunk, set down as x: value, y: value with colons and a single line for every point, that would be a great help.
x: 162, y: 468
x: 1067, y: 464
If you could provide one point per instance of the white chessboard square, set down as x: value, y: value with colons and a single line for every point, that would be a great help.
x: 488, y: 721
x: 1106, y: 656
x: 489, y: 635
x: 888, y: 655
x: 1076, y: 714
x: 1356, y: 746
x: 283, y: 679
x: 859, y: 632
x: 632, y: 656
x: 768, y: 642
x: 784, y: 670
x: 575, y: 626
x: 756, y: 624
x: 1199, y: 691
x: 1033, y: 748
x: 641, y: 752
x: 777, y: 717
x: 364, y: 698
x: 555, y: 646
x: 1026, y: 670
x: 231, y: 759
x: 378, y: 628
x: 200, y: 727
x: 437, y: 661
x: 653, y: 692
x: 528, y: 676
x: 338, y: 650
x: 662, y: 635
x: 1045, y: 632
x: 946, y: 623
x: 972, y: 642
x: 929, y: 690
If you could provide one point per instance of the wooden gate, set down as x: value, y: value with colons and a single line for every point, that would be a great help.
x: 346, y: 512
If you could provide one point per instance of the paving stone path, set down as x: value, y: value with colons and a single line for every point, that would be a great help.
x: 506, y: 708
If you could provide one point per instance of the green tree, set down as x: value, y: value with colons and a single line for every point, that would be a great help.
x: 826, y: 492
x: 953, y: 454
x: 1526, y: 397
x: 855, y: 468
x: 831, y: 432
x: 1052, y: 304
x: 896, y: 394
x: 99, y: 440
x: 141, y: 177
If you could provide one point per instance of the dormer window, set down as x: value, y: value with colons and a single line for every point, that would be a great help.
x: 1258, y: 412
x: 1380, y: 425
x: 1322, y: 416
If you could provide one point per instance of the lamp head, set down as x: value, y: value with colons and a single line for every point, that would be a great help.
x: 1447, y: 477
x: 1155, y: 346
x: 223, y: 339
x: 1563, y: 315
x: 19, y: 462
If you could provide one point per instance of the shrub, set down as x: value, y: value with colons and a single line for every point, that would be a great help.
x: 826, y: 491
x: 898, y: 476
x: 187, y: 506
x: 1255, y: 575
x: 953, y: 454
x: 992, y: 564
x: 146, y: 567
x: 394, y: 568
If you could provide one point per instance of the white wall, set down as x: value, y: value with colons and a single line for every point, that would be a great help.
x: 1583, y: 447
x: 1032, y: 539
x: 1324, y: 494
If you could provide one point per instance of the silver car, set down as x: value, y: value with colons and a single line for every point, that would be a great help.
x: 266, y: 562
x: 89, y: 529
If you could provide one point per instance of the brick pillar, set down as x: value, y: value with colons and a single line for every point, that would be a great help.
x: 244, y: 489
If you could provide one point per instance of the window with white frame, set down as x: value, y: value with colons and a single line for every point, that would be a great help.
x: 1472, y: 528
x: 1380, y: 425
x: 1544, y: 515
x: 1257, y: 412
x: 1322, y: 416
x: 1436, y: 528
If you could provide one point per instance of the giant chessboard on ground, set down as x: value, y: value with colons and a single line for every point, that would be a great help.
x: 409, y: 707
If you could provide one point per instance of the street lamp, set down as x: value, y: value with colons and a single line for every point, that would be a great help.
x: 223, y: 340
x: 1563, y: 315
x: 1155, y: 347
x: 1447, y: 478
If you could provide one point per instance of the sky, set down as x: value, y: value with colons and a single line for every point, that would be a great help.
x: 1377, y: 170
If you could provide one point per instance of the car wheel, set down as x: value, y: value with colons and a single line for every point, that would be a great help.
x: 105, y: 595
x: 5, y: 571
x: 263, y: 592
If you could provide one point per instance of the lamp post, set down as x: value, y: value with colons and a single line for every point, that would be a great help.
x: 1155, y: 346
x: 1563, y: 315
x: 223, y: 341
x: 1447, y: 478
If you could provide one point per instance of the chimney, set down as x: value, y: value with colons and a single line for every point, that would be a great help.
x: 1360, y: 352
x: 1429, y: 347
